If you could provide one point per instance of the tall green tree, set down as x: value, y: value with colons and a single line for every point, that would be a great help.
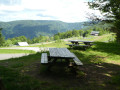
x: 56, y: 37
x: 1, y: 38
x: 75, y: 33
x: 111, y: 11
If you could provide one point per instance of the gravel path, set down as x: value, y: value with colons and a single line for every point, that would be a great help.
x: 36, y: 49
x: 8, y: 56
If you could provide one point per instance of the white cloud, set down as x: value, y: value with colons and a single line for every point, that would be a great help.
x: 11, y: 8
x: 64, y: 10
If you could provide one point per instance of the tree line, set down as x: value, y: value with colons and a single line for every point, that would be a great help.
x: 111, y: 11
x: 77, y: 33
x: 58, y: 36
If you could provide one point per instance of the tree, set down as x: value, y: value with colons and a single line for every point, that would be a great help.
x: 81, y: 32
x: 111, y: 11
x: 8, y: 43
x: 56, y: 37
x: 69, y: 34
x: 2, y: 41
x: 75, y: 33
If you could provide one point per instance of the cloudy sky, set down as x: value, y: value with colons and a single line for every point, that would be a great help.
x: 63, y: 10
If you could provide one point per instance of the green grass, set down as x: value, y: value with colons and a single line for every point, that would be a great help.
x: 58, y: 44
x: 101, y: 70
x: 5, y: 51
x: 61, y: 43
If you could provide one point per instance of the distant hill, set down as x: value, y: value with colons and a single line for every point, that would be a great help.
x: 33, y: 28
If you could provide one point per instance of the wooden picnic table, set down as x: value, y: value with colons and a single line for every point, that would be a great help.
x: 60, y: 53
x: 57, y: 54
x: 84, y: 42
x: 80, y: 43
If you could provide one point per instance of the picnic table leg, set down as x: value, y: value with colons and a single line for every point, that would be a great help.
x: 49, y: 59
x: 73, y: 69
x: 87, y: 43
x: 71, y: 64
x: 72, y: 42
x: 76, y: 43
x: 51, y: 63
x: 67, y: 60
x: 70, y: 46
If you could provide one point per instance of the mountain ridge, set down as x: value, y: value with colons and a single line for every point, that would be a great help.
x: 34, y: 28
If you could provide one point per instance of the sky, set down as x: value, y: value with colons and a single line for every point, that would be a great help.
x: 63, y: 10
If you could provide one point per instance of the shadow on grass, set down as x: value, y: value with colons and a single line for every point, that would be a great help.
x: 108, y: 47
x: 88, y: 59
x: 104, y: 76
x: 111, y: 48
x: 78, y: 48
x: 31, y: 75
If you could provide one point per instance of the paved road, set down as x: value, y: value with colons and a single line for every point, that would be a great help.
x: 36, y: 49
x: 8, y: 56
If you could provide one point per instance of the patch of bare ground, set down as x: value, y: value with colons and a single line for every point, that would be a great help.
x: 94, y: 76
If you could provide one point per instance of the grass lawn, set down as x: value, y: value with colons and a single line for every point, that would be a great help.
x: 2, y: 51
x: 101, y: 70
x: 58, y: 44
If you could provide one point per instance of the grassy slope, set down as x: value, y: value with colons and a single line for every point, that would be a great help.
x: 100, y: 70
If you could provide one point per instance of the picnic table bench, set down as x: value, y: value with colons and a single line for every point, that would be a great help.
x: 59, y: 53
x: 77, y: 42
x: 81, y: 43
x: 71, y: 45
x: 44, y: 58
x: 77, y: 61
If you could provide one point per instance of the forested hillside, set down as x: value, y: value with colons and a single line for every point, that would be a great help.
x: 34, y: 28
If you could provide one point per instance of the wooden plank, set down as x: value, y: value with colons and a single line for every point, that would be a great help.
x: 54, y: 52
x: 80, y: 41
x: 76, y: 60
x: 66, y: 53
x: 44, y: 58
x: 60, y: 52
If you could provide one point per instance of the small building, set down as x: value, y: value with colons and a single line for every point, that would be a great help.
x: 23, y: 44
x: 95, y: 33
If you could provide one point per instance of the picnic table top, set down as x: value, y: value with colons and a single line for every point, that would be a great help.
x: 80, y: 41
x: 60, y: 52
